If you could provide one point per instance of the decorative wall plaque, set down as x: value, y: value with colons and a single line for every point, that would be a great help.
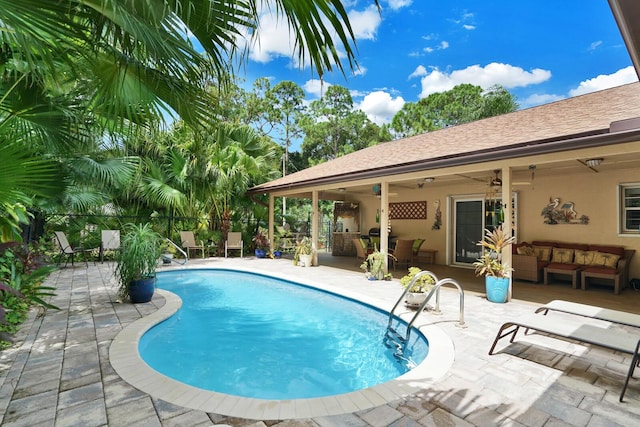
x: 408, y: 210
x: 562, y: 213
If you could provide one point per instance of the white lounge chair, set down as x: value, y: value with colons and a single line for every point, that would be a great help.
x: 189, y: 242
x: 614, y: 339
x: 234, y: 241
x: 110, y: 241
x: 68, y: 251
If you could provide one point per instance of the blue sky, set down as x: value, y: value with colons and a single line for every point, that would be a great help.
x: 541, y: 51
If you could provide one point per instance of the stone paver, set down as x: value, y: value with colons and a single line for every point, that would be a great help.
x: 58, y: 372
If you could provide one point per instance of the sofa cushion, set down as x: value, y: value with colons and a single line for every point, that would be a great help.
x: 562, y: 255
x: 583, y: 257
x: 524, y: 250
x: 562, y: 266
x: 605, y: 259
x: 543, y: 253
x: 600, y: 270
x: 618, y: 250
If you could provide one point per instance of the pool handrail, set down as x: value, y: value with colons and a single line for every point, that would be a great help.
x: 178, y: 248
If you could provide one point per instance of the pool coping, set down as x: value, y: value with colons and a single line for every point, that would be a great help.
x: 126, y: 361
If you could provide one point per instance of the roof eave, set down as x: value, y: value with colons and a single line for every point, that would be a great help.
x: 627, y: 16
x: 530, y: 148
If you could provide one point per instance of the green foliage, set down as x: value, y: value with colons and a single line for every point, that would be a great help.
x: 462, y: 104
x: 303, y: 247
x: 138, y: 256
x: 374, y: 264
x: 490, y: 263
x: 422, y: 285
x: 21, y: 278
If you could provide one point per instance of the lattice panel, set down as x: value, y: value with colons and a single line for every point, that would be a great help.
x: 408, y: 210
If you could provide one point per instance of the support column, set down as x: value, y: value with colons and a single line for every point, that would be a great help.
x: 384, y: 222
x: 271, y: 221
x: 507, y: 226
x: 314, y: 225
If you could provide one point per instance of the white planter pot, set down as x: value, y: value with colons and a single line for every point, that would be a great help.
x: 415, y: 298
x: 305, y: 260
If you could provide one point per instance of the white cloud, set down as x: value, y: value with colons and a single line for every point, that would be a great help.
x: 398, y: 4
x: 315, y: 87
x: 469, y: 27
x: 274, y: 39
x: 380, y: 106
x: 595, y: 45
x: 418, y: 72
x: 505, y: 75
x: 605, y: 81
x: 365, y: 24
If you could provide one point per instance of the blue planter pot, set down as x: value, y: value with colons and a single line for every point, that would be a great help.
x: 142, y: 290
x: 277, y: 254
x: 261, y: 253
x: 497, y: 288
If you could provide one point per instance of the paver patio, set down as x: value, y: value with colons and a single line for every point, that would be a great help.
x: 58, y: 373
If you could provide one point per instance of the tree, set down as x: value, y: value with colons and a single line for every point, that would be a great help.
x: 122, y: 65
x: 462, y: 104
x: 334, y: 128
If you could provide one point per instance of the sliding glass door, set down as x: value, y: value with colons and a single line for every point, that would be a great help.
x: 468, y: 223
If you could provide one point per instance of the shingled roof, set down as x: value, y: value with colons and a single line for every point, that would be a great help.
x: 558, y: 126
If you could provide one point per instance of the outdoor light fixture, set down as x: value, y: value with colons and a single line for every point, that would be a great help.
x: 429, y: 179
x: 592, y: 163
x: 342, y: 189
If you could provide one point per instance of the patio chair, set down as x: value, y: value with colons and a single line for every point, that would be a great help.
x: 110, y: 241
x: 234, y: 241
x: 189, y: 242
x: 361, y: 249
x: 68, y: 251
x: 403, y: 252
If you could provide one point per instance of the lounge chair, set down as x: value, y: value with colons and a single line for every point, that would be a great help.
x: 234, y: 241
x: 613, y: 316
x: 110, y: 241
x: 614, y: 339
x: 68, y: 251
x: 189, y: 242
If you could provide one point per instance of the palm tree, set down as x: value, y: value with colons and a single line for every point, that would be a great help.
x: 74, y: 69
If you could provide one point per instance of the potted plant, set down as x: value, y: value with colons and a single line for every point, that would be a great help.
x: 168, y: 251
x: 417, y: 292
x: 137, y: 262
x: 304, y: 252
x: 262, y: 244
x: 374, y: 265
x: 490, y: 264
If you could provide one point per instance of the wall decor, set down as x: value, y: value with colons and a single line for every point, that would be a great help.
x: 438, y: 215
x: 408, y: 210
x: 562, y: 213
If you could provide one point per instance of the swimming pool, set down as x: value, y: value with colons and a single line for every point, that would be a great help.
x: 126, y: 361
x: 255, y: 336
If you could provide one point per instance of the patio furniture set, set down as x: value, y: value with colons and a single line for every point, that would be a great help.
x: 579, y: 262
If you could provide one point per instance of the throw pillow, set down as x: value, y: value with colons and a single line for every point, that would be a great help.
x: 543, y: 253
x: 584, y: 257
x: 525, y: 250
x: 562, y: 255
x: 605, y: 259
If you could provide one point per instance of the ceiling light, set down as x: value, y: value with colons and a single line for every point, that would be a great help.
x: 429, y: 179
x: 342, y: 189
x: 496, y: 182
x: 592, y: 163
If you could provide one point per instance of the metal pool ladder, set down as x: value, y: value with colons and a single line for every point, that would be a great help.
x: 393, y: 337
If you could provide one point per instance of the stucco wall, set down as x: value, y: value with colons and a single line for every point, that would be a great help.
x: 593, y: 194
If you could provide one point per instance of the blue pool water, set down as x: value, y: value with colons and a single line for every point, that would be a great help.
x: 255, y: 336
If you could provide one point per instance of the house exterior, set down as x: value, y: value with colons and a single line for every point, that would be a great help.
x: 567, y: 171
x: 583, y: 151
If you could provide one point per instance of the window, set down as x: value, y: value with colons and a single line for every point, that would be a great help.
x: 630, y: 208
